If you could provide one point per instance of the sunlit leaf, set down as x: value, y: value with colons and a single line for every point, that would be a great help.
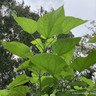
x: 19, y: 91
x: 77, y: 87
x: 17, y: 48
x: 26, y: 24
x: 38, y: 44
x: 49, y: 42
x: 4, y: 92
x: 88, y: 81
x: 47, y: 22
x: 56, y: 23
x: 70, y: 23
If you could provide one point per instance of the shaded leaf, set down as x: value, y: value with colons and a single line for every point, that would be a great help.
x: 60, y: 93
x: 67, y: 74
x: 81, y: 63
x: 17, y: 48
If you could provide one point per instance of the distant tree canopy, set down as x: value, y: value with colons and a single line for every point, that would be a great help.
x: 11, y: 31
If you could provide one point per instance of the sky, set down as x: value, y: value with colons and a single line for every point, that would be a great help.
x: 83, y: 9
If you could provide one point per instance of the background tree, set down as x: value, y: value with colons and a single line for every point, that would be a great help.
x: 11, y: 31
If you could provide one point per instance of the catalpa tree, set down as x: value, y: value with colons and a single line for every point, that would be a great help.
x: 50, y: 69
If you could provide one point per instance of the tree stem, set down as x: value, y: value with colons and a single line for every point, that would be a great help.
x: 40, y: 82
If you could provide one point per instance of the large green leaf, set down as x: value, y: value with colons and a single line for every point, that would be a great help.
x: 47, y: 22
x: 28, y: 25
x: 4, y: 92
x: 56, y: 23
x: 21, y: 79
x: 48, y: 62
x: 17, y: 48
x: 63, y: 46
x: 70, y: 23
x: 38, y: 44
x: 19, y: 91
x: 81, y: 63
x: 92, y: 40
x: 88, y: 81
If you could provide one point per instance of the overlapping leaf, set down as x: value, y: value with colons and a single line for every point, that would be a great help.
x: 21, y: 79
x: 49, y: 42
x: 81, y: 63
x: 17, y: 48
x: 38, y: 44
x: 28, y: 25
x: 48, y: 62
